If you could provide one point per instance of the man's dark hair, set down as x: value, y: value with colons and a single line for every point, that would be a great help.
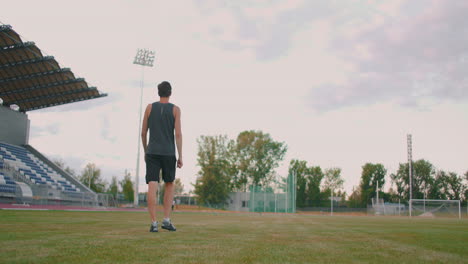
x: 164, y: 89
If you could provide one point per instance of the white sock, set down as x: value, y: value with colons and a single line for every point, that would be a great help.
x: 167, y: 220
x: 155, y: 223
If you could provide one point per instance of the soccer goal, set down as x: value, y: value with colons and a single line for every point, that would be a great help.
x: 435, y: 208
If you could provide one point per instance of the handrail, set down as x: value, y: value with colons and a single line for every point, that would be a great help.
x: 16, y: 174
x: 43, y: 190
x: 54, y: 166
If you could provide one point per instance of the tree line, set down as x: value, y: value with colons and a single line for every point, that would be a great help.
x: 91, y: 177
x: 124, y: 188
x: 232, y: 165
x: 228, y: 165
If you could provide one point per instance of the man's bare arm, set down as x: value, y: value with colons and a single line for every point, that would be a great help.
x: 144, y: 127
x: 178, y: 135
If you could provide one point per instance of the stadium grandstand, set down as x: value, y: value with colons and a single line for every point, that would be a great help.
x: 30, y: 81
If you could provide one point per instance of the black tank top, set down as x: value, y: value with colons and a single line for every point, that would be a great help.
x: 161, y: 127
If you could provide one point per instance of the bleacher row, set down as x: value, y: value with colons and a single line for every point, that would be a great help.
x: 7, y: 185
x: 34, y: 169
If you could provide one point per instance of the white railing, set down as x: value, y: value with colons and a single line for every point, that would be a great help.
x: 15, y: 173
x: 43, y: 191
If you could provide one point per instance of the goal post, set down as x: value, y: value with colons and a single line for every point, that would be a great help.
x: 432, y: 208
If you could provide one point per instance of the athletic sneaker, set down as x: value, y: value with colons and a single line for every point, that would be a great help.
x: 154, y: 228
x: 168, y: 226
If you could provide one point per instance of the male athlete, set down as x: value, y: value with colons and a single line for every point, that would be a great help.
x: 163, y: 120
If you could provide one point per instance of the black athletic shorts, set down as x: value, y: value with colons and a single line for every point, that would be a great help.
x: 156, y: 163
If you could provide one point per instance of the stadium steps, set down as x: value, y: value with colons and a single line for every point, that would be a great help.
x: 35, y: 169
x: 69, y: 178
x: 7, y: 186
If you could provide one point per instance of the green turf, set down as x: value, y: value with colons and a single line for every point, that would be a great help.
x: 123, y: 237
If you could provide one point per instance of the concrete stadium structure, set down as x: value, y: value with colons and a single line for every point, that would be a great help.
x: 30, y: 81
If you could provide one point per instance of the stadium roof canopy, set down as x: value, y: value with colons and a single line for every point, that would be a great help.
x: 33, y: 81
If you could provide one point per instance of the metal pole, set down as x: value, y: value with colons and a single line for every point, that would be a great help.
x: 253, y: 197
x: 424, y: 203
x: 144, y: 57
x: 459, y: 210
x: 377, y: 197
x: 294, y: 192
x: 135, y: 197
x: 399, y: 207
x: 287, y: 194
x: 331, y: 200
x: 410, y: 173
x: 377, y: 191
x: 275, y: 201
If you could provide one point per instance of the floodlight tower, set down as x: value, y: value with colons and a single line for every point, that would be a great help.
x: 143, y: 57
x: 410, y: 170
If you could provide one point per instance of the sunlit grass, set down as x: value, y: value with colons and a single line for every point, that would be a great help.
x: 123, y: 237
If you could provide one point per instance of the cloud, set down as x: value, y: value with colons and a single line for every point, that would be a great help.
x: 49, y: 129
x: 137, y: 83
x: 80, y: 106
x: 411, y: 53
x: 416, y: 56
x: 76, y: 163
x: 264, y: 27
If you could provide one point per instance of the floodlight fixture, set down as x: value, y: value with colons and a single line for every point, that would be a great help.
x: 409, y: 142
x: 144, y: 57
x: 14, y: 107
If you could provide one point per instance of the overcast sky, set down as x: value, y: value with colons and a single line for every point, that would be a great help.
x: 341, y: 82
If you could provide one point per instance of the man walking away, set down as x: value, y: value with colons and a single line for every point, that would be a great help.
x: 162, y: 119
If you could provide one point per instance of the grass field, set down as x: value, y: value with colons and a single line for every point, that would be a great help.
x: 123, y: 237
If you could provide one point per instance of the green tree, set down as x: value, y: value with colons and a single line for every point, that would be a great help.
x: 372, y: 175
x: 447, y: 186
x: 258, y: 155
x: 91, y: 176
x: 214, y: 180
x: 127, y: 187
x: 355, y: 199
x: 424, y: 173
x: 341, y: 194
x: 399, y: 181
x: 299, y: 167
x: 314, y: 181
x: 466, y: 189
x: 423, y: 179
x: 440, y: 186
x: 393, y: 194
x: 238, y: 182
x: 160, y: 191
x: 333, y: 181
x: 113, y: 187
x: 455, y: 186
x: 178, y: 187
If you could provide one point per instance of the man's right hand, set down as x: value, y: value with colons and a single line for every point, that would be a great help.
x: 180, y: 163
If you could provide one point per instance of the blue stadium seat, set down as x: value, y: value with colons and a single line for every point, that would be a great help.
x: 33, y: 168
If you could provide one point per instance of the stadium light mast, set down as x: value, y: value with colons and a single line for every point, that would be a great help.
x: 144, y: 57
x: 410, y: 171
